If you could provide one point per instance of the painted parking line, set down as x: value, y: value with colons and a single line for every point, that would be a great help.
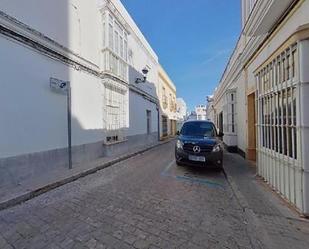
x: 164, y: 172
x: 194, y: 180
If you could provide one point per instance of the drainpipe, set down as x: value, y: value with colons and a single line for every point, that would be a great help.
x: 158, y: 110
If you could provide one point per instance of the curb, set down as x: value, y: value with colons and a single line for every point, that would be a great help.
x: 39, y: 191
x: 258, y: 238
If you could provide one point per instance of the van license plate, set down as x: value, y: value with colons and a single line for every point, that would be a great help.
x: 197, y: 158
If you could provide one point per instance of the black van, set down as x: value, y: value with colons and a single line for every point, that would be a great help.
x: 199, y: 143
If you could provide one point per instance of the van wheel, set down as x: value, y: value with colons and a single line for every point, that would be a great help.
x: 179, y: 163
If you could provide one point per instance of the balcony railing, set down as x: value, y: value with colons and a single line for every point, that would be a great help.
x: 114, y: 65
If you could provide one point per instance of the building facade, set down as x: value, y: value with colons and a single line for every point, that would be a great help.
x: 260, y: 101
x: 181, y: 109
x: 200, y: 111
x: 167, y: 94
x: 192, y: 116
x: 79, y: 74
x: 210, y: 110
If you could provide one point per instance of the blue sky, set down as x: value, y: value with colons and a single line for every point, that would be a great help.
x: 193, y: 39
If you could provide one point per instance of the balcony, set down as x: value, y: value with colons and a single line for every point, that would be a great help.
x: 164, y: 102
x: 171, y: 106
x: 264, y: 16
x: 114, y: 65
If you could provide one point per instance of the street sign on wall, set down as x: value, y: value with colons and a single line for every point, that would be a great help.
x: 59, y: 86
x: 63, y: 87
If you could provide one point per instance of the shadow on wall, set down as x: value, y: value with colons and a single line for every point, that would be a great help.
x: 139, y: 105
x: 34, y: 132
x: 35, y: 120
x: 30, y: 167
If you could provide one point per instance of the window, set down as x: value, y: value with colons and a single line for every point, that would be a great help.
x: 115, y: 116
x: 277, y: 105
x: 204, y: 129
x: 220, y: 121
x: 125, y: 50
x: 171, y: 102
x: 116, y: 55
x: 164, y: 126
x: 116, y: 43
x: 103, y: 35
x: 111, y: 37
x: 121, y: 48
x: 164, y: 98
x: 230, y: 112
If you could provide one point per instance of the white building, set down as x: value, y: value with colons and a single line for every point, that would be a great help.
x: 200, y: 111
x: 97, y: 48
x: 166, y: 91
x: 192, y: 116
x: 181, y: 109
x: 260, y: 102
x: 210, y: 111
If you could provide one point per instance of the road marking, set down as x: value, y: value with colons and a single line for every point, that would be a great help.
x: 164, y: 172
x: 190, y: 179
x: 200, y: 181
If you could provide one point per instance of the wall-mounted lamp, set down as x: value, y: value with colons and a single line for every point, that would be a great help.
x: 143, y: 80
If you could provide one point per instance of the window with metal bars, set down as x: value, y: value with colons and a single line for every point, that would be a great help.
x: 277, y: 116
x: 230, y: 112
x: 115, y: 47
x: 115, y: 114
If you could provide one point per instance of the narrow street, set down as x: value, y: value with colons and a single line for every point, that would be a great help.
x: 109, y: 98
x: 144, y: 202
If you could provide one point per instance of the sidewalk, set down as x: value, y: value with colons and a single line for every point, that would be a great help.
x: 26, y: 190
x: 276, y: 222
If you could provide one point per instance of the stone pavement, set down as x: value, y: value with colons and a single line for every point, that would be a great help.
x: 29, y: 188
x: 144, y: 202
x: 283, y: 226
x: 149, y: 202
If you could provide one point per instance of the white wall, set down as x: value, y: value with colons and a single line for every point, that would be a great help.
x: 33, y: 118
x: 182, y: 108
x: 299, y: 18
x: 246, y: 84
x: 138, y: 60
x: 74, y: 24
x: 140, y: 56
x: 241, y: 113
x: 138, y: 117
x: 137, y: 104
x: 168, y: 93
x: 124, y: 13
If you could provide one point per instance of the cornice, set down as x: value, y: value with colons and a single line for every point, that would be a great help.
x: 144, y: 94
x: 265, y: 15
x: 167, y: 82
x: 14, y: 25
x: 256, y: 16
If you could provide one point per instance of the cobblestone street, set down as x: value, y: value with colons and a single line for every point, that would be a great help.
x: 144, y: 202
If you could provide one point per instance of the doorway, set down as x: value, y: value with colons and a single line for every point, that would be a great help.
x: 251, y: 153
x: 148, y: 113
x: 164, y: 126
x: 220, y: 121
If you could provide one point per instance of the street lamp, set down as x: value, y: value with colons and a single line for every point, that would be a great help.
x: 142, y: 80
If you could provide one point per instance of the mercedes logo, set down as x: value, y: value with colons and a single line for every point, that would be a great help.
x: 196, y: 149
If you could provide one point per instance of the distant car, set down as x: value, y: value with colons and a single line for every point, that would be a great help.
x: 198, y: 143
